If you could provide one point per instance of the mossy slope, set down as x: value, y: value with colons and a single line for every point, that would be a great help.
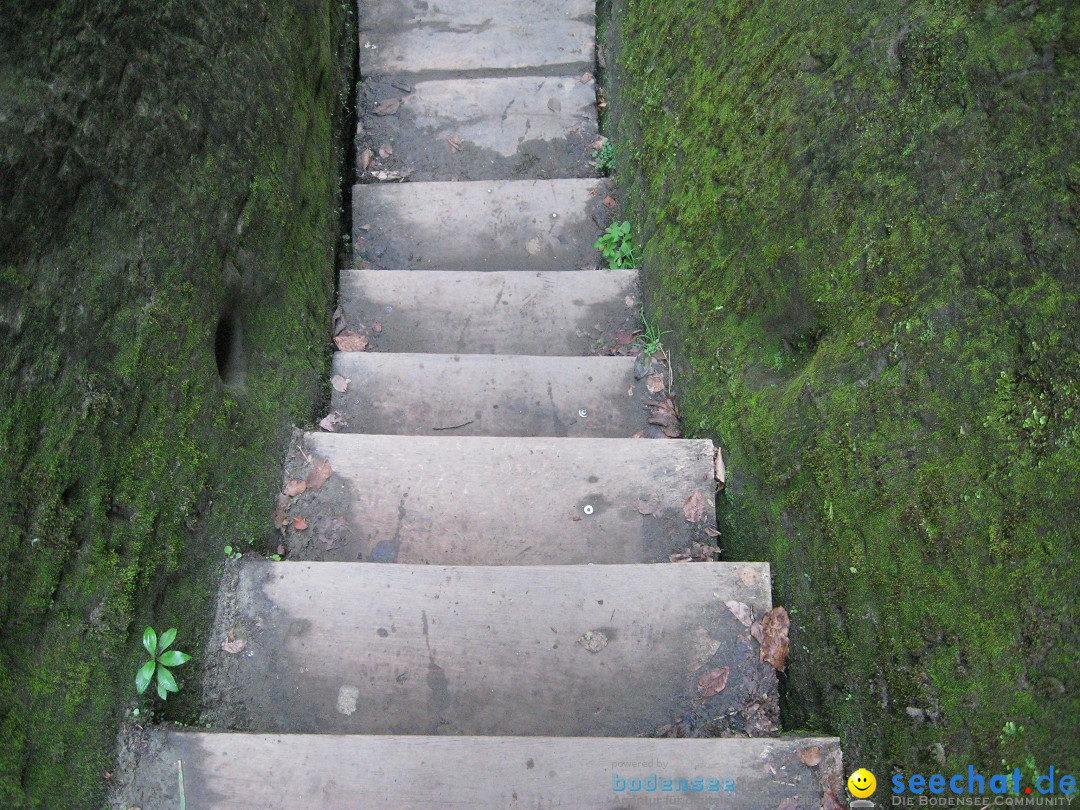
x: 165, y: 167
x: 861, y: 221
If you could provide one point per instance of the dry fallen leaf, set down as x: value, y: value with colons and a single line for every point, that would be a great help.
x: 340, y: 384
x: 333, y: 534
x: 831, y: 802
x: 609, y: 201
x: 586, y: 77
x: 319, y: 474
x: 711, y: 532
x: 454, y: 143
x: 627, y: 337
x: 742, y: 611
x: 655, y: 383
x: 719, y: 468
x: 233, y: 645
x: 294, y: 488
x: 333, y: 422
x: 351, y: 342
x: 629, y: 300
x: 695, y: 508
x: 773, y: 637
x: 387, y: 176
x: 713, y: 681
x: 281, y: 510
x: 339, y: 321
x: 365, y: 159
x: 810, y: 756
x: 647, y: 508
x: 376, y: 328
x: 299, y: 524
x: 386, y: 150
x: 599, y: 142
x: 388, y: 107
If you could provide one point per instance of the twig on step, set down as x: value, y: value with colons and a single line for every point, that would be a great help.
x: 455, y: 427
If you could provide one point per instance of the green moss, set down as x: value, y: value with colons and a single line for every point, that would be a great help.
x: 148, y: 192
x: 861, y: 223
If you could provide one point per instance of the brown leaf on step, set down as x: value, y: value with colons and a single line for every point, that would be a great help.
x: 454, y: 143
x: 299, y: 524
x: 599, y: 142
x: 388, y: 107
x: 586, y: 77
x: 351, y: 342
x: 294, y: 488
x: 281, y: 549
x: 663, y: 417
x: 627, y: 337
x: 333, y: 534
x: 810, y: 756
x: 609, y: 201
x: 232, y: 645
x: 339, y: 383
x: 376, y: 328
x: 757, y: 632
x: 831, y: 802
x: 695, y: 508
x: 774, y: 641
x: 365, y: 159
x: 386, y: 150
x: 390, y: 176
x: 788, y: 804
x: 639, y: 435
x: 655, y: 383
x: 683, y: 557
x: 333, y: 422
x: 713, y: 681
x: 319, y: 474
x: 647, y: 508
x: 672, y: 431
x: 742, y: 611
x: 281, y: 510
x: 629, y: 301
x: 339, y: 321
x: 711, y: 532
x: 403, y: 86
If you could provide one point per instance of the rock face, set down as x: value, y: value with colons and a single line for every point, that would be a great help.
x: 861, y: 224
x: 169, y: 174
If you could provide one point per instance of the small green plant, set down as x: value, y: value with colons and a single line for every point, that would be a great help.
x: 161, y: 658
x: 617, y: 246
x: 604, y: 157
x: 233, y: 553
x: 650, y: 340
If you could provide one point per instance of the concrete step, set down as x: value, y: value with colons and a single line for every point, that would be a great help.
x: 508, y: 127
x: 489, y: 395
x: 491, y: 225
x: 571, y: 650
x: 476, y: 35
x: 498, y: 312
x: 480, y: 500
x: 332, y: 772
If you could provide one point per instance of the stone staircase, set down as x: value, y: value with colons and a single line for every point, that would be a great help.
x: 477, y: 607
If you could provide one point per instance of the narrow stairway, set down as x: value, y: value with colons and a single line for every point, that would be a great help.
x: 477, y: 606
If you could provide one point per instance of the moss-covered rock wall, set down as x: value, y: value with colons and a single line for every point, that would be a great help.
x: 861, y: 220
x: 169, y: 215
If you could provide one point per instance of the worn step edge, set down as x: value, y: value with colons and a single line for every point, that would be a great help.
x: 480, y: 225
x: 514, y: 650
x: 479, y: 500
x: 224, y: 771
x: 577, y: 312
x: 489, y: 395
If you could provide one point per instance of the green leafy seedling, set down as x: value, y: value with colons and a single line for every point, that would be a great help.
x: 605, y: 158
x: 651, y: 340
x: 161, y: 658
x: 617, y: 246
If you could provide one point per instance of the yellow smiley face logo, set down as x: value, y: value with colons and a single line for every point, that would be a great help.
x: 861, y: 783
